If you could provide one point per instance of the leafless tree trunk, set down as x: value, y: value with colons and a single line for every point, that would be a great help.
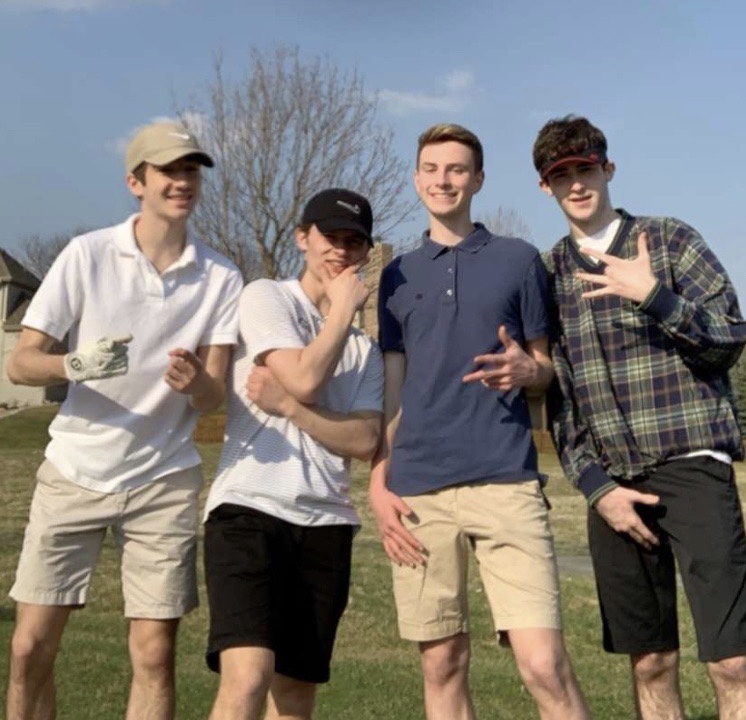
x: 289, y: 129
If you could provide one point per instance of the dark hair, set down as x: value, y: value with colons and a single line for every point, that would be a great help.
x: 447, y: 132
x: 139, y: 172
x: 563, y: 137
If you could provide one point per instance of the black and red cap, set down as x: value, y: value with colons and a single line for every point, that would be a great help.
x: 591, y: 156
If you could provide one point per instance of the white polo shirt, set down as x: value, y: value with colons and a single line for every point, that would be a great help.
x: 119, y: 433
x: 267, y: 463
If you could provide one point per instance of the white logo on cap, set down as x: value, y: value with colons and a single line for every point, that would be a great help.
x: 183, y: 136
x: 348, y: 206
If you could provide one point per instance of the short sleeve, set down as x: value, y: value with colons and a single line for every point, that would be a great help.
x: 267, y: 320
x: 58, y: 303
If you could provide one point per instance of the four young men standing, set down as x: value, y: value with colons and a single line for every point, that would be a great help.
x: 644, y: 326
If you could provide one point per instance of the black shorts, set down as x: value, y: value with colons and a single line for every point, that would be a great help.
x: 276, y: 585
x: 699, y: 521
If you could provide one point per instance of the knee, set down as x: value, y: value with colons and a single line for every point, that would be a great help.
x: 247, y: 686
x: 29, y: 652
x: 442, y: 663
x: 650, y: 667
x: 291, y: 698
x: 153, y: 654
x: 729, y: 671
x: 547, y: 671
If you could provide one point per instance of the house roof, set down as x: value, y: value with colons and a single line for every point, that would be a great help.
x: 13, y: 321
x: 12, y: 271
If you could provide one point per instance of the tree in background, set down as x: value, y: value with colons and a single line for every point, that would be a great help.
x: 38, y: 253
x: 507, y: 222
x: 289, y: 128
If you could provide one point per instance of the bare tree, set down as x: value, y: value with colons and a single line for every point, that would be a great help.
x: 507, y: 222
x: 290, y: 128
x: 38, y: 253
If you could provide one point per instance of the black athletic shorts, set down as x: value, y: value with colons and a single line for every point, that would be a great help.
x: 276, y: 585
x: 699, y: 522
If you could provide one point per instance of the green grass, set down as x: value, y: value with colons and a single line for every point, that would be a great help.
x: 374, y: 673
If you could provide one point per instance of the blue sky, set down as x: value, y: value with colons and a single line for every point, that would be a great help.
x: 663, y: 79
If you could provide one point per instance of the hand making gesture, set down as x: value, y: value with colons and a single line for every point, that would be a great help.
x: 632, y: 279
x: 506, y: 370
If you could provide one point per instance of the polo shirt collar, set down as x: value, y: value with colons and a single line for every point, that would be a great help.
x: 125, y: 242
x: 472, y: 243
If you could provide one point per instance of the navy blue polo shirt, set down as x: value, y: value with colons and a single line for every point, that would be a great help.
x: 441, y: 306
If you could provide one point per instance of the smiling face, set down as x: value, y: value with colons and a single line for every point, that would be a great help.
x: 168, y: 192
x: 327, y: 254
x: 446, y: 179
x: 582, y: 192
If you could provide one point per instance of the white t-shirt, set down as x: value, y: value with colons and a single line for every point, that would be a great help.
x: 119, y: 433
x: 600, y: 240
x: 267, y: 463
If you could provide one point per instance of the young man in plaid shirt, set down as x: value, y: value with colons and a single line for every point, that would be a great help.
x: 644, y: 421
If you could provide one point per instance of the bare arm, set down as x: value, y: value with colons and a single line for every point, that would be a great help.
x: 200, y: 375
x: 400, y: 545
x: 353, y: 434
x: 303, y: 372
x: 32, y: 363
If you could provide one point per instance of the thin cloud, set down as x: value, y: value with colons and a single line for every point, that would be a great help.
x: 71, y: 5
x: 459, y: 81
x: 195, y: 121
x: 457, y: 88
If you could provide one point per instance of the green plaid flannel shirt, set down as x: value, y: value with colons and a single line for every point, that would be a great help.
x: 638, y: 383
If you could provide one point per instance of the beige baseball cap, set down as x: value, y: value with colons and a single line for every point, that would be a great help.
x: 162, y: 143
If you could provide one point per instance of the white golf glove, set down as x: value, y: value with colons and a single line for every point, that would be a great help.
x: 104, y: 358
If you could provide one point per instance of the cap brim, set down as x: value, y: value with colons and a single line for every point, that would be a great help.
x: 592, y: 158
x: 164, y: 157
x: 343, y: 224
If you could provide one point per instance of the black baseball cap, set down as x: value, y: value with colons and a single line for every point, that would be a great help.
x: 591, y: 156
x: 339, y: 209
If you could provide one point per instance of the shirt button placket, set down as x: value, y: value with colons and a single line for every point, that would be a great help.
x: 451, y: 273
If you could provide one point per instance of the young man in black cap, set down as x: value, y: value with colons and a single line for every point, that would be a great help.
x: 645, y: 424
x: 279, y: 528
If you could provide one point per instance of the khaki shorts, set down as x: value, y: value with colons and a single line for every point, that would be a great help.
x: 508, y: 528
x: 155, y: 527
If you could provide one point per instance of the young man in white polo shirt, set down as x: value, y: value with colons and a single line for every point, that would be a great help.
x: 150, y: 313
x: 278, y: 536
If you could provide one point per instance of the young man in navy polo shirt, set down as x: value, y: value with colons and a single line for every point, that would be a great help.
x: 464, y: 330
x: 645, y: 423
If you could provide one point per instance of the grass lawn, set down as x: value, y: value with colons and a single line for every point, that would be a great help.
x: 374, y: 674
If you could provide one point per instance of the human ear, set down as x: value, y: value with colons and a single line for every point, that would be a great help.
x: 301, y: 239
x: 479, y: 178
x: 544, y: 185
x: 134, y: 186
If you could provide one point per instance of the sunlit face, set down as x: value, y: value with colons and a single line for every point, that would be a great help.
x: 327, y: 254
x: 446, y: 180
x: 582, y: 191
x: 169, y: 191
